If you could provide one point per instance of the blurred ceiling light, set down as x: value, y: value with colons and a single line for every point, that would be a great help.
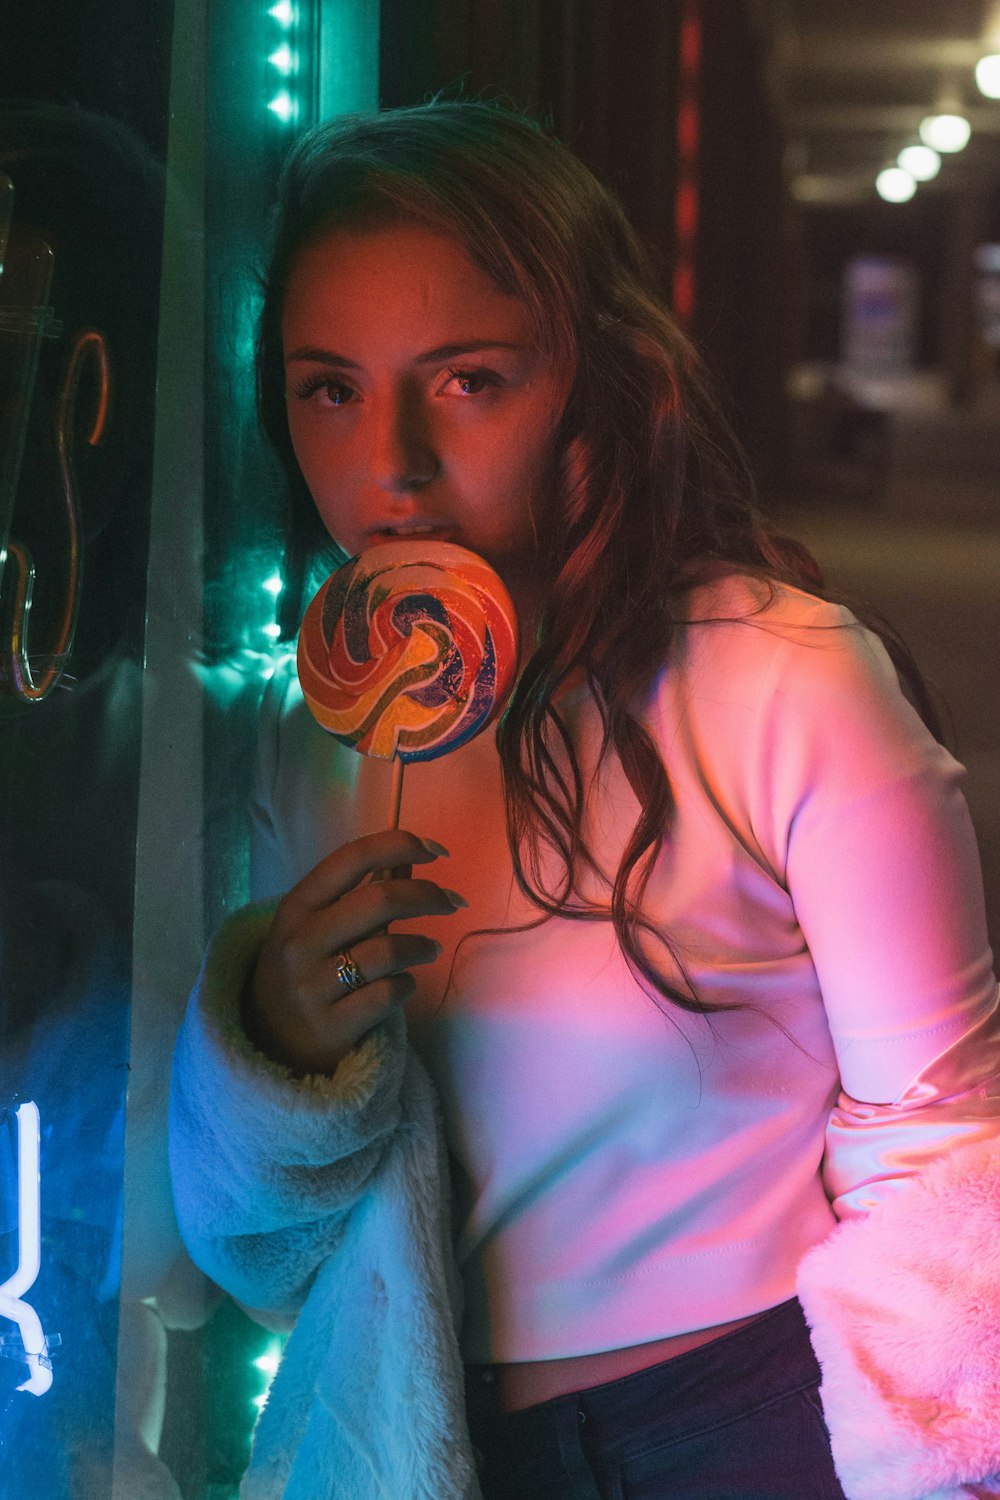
x: 922, y: 162
x: 945, y: 132
x: 988, y: 75
x: 895, y: 185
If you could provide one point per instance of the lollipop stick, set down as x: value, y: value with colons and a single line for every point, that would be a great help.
x: 395, y: 798
x: 395, y: 793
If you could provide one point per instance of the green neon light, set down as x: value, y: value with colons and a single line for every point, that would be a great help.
x: 284, y: 60
x: 284, y: 106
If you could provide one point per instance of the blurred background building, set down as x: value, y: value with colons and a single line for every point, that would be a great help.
x: 821, y: 188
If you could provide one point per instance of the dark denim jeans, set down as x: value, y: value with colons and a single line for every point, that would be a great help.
x: 737, y: 1419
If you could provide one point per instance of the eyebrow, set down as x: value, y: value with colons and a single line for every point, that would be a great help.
x: 432, y: 356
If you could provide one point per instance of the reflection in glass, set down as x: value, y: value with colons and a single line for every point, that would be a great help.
x: 78, y: 293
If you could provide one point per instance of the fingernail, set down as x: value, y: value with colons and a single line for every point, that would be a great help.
x: 455, y: 899
x: 433, y: 847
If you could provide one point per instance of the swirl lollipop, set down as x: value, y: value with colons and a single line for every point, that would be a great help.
x: 408, y: 651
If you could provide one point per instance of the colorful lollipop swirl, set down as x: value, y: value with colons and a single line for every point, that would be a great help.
x: 409, y: 650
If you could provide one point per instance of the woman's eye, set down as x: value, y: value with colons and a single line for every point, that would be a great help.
x: 473, y: 381
x: 335, y: 393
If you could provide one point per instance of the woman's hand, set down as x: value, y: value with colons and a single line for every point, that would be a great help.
x: 296, y: 1009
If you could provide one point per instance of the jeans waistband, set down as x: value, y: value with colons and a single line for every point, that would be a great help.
x: 764, y: 1360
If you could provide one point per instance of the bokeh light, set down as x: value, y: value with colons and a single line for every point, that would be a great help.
x: 945, y: 132
x: 895, y: 185
x: 988, y: 75
x: 922, y: 162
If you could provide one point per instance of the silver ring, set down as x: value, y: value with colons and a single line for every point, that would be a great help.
x: 348, y: 972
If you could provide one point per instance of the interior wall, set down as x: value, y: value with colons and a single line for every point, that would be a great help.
x: 747, y: 276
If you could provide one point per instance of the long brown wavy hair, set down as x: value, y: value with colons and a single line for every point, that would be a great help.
x: 650, y: 492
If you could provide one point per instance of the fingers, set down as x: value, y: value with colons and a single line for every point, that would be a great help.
x: 348, y: 866
x: 363, y: 911
x: 314, y: 938
x: 298, y: 1010
x: 317, y: 1035
x: 384, y: 963
x: 387, y: 954
x: 340, y: 1017
x: 330, y: 1019
x: 344, y: 1023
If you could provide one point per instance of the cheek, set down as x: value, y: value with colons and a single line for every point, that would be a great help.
x: 298, y: 438
x: 534, y: 457
x: 313, y: 455
x: 521, y: 454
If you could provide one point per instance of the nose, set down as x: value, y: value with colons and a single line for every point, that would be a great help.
x: 403, y: 455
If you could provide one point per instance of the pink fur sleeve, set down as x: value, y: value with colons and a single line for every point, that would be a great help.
x: 904, y: 1308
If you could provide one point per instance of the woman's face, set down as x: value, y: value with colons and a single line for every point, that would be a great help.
x: 418, y: 402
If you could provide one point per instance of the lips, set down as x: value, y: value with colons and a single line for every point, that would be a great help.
x: 415, y: 530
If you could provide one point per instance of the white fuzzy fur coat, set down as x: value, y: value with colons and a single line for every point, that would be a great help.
x: 322, y: 1203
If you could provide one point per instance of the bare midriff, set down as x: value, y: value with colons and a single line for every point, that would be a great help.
x: 521, y: 1385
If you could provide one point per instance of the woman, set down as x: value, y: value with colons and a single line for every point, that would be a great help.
x: 713, y: 974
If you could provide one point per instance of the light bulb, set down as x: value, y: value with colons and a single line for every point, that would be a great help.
x: 895, y: 185
x: 273, y: 584
x: 283, y: 13
x: 922, y: 162
x: 988, y: 75
x: 945, y: 132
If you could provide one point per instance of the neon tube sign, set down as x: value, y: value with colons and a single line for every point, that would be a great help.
x: 29, y: 1256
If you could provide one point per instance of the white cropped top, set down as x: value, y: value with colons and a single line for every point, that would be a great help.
x: 624, y: 1169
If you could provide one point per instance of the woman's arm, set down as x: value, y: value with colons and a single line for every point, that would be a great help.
x: 266, y: 1167
x: 904, y: 1297
x: 322, y: 1201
